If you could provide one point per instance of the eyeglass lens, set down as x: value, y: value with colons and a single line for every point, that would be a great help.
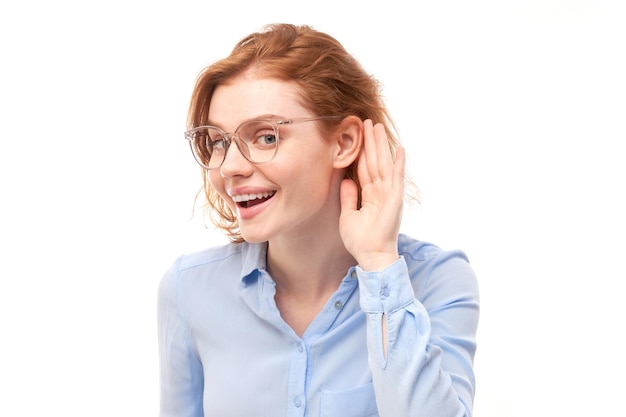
x: 256, y: 140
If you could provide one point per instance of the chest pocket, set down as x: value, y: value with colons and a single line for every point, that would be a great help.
x: 357, y: 402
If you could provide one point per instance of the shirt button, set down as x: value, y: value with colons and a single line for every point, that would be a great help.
x: 353, y: 274
x: 297, y: 402
x: 300, y: 348
x: 384, y: 292
x: 338, y: 305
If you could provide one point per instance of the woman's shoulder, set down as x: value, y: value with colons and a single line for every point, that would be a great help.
x: 211, y: 271
x: 210, y: 255
x: 229, y: 255
x: 430, y: 265
x: 420, y: 251
x: 427, y: 258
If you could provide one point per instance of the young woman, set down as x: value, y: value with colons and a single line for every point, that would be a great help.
x: 319, y: 306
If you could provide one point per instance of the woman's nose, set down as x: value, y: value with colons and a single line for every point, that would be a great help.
x: 235, y: 164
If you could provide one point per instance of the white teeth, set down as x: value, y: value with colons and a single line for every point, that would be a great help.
x: 247, y: 197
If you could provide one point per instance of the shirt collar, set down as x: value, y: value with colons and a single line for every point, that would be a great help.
x: 254, y: 259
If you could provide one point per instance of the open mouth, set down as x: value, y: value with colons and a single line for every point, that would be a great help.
x: 249, y: 200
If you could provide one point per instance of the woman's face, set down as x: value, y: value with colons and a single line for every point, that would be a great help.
x: 298, y: 191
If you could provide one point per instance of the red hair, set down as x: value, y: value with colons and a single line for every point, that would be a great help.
x: 330, y: 82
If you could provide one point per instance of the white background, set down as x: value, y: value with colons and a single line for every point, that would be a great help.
x: 513, y: 116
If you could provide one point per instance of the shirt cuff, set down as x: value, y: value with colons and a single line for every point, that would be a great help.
x: 385, y: 291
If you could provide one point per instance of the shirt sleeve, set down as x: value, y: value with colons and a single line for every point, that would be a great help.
x: 181, y: 377
x: 428, y: 366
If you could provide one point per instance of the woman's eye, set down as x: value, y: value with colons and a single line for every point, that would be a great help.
x: 217, y: 145
x: 266, y: 139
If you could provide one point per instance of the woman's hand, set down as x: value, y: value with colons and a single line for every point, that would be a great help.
x: 371, y: 233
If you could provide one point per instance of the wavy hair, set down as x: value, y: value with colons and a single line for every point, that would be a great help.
x: 330, y: 81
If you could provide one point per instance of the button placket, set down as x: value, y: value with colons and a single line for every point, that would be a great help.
x: 297, y: 378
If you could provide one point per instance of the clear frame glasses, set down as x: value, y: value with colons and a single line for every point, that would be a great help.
x: 256, y: 139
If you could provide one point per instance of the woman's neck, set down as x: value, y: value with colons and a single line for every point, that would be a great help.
x: 307, y: 271
x: 309, y: 267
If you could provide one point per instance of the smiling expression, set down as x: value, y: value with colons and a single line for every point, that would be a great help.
x: 298, y: 191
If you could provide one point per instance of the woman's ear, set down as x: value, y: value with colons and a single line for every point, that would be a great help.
x: 349, y: 141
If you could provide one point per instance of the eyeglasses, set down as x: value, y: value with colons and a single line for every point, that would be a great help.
x: 257, y: 140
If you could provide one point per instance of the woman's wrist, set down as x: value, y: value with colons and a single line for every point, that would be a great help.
x: 373, y: 262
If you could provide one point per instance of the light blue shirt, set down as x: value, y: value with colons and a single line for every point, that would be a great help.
x: 226, y: 351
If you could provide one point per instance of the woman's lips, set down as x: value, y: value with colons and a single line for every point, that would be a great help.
x: 250, y: 200
x: 251, y: 203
